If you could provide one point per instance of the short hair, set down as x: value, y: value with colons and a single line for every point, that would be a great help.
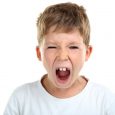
x: 65, y: 17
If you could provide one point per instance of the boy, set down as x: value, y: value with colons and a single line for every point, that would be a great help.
x: 63, y: 37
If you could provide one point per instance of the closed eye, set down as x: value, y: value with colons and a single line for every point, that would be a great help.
x: 51, y: 47
x: 74, y: 47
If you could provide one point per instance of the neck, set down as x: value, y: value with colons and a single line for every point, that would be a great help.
x: 75, y: 89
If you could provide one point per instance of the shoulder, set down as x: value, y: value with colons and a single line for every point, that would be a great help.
x: 23, y: 92
x: 100, y: 89
x: 97, y: 87
x: 103, y: 94
x: 19, y: 97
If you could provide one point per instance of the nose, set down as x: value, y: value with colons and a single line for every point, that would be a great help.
x: 63, y: 55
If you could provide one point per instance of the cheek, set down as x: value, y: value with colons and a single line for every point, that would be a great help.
x: 78, y: 59
x: 48, y: 60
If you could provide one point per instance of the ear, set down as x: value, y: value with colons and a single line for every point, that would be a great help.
x: 38, y: 52
x: 88, y: 52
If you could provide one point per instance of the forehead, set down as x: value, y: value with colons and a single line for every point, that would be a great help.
x: 62, y: 36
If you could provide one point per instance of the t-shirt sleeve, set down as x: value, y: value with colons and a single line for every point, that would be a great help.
x: 111, y: 105
x: 16, y: 101
x: 12, y: 106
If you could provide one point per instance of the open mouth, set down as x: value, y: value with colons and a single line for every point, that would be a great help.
x: 63, y: 73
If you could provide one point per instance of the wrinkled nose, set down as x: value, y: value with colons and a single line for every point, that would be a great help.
x: 63, y: 55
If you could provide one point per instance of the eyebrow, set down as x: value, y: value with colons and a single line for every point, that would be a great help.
x: 50, y: 42
x: 68, y: 43
x: 75, y: 43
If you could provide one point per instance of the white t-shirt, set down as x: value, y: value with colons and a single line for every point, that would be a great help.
x: 33, y: 99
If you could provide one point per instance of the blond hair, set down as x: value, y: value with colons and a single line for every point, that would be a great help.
x: 65, y: 17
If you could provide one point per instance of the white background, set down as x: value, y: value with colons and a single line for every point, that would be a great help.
x: 18, y: 39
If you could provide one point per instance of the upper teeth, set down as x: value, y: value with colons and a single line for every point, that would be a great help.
x: 62, y: 69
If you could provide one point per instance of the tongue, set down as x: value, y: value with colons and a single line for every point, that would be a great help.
x: 63, y: 75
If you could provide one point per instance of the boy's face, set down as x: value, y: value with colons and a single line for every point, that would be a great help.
x: 63, y: 55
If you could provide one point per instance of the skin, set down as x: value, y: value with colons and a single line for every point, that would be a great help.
x: 60, y: 50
